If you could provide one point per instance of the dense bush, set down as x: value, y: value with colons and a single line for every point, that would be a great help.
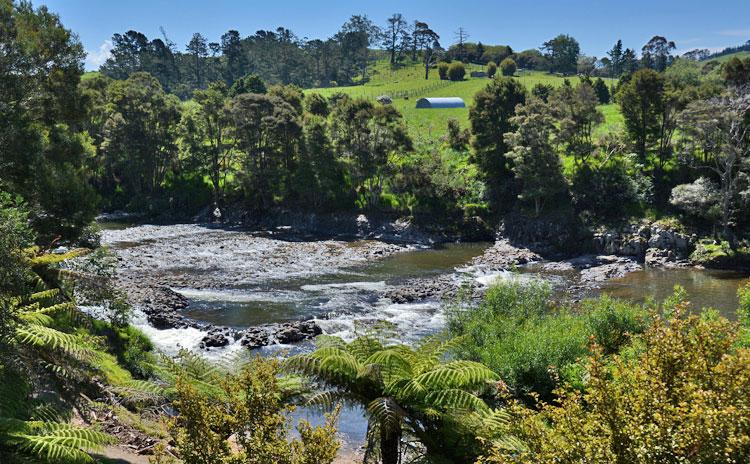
x: 679, y: 396
x: 443, y: 68
x: 491, y: 69
x: 457, y: 71
x: 508, y: 67
x: 604, y: 192
x: 519, y: 333
x: 542, y: 91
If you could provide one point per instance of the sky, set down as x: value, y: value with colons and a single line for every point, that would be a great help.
x: 596, y: 24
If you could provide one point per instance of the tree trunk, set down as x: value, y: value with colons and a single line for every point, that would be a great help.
x: 389, y: 447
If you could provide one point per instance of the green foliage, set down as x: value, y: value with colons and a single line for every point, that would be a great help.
x: 250, y: 411
x: 562, y: 53
x: 508, y: 67
x: 516, y: 332
x: 533, y: 157
x: 542, y: 91
x: 602, y: 91
x: 443, y: 68
x: 613, y: 322
x: 404, y: 390
x: 250, y: 83
x: 641, y: 102
x: 736, y: 71
x: 490, y: 118
x: 605, y: 191
x: 456, y: 71
x: 491, y: 69
x: 681, y: 398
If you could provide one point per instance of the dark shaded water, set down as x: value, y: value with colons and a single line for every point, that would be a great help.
x: 705, y: 288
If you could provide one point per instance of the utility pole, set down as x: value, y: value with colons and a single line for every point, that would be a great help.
x: 461, y: 36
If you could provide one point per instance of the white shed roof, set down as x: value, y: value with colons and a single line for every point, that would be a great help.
x: 444, y: 102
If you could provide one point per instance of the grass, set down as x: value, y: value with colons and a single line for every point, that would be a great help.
x: 726, y: 58
x: 427, y: 125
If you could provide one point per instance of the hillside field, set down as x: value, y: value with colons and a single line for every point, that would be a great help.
x: 407, y: 84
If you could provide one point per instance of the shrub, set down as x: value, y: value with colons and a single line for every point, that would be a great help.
x: 602, y: 92
x: 542, y: 91
x: 699, y: 199
x: 251, y: 411
x: 250, y: 83
x: 457, y: 71
x: 491, y: 69
x: 683, y: 398
x: 518, y: 334
x: 457, y: 139
x: 508, y: 67
x: 603, y: 192
x: 317, y: 105
x: 612, y: 322
x: 443, y: 70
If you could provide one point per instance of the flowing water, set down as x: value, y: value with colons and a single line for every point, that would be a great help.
x: 238, y: 279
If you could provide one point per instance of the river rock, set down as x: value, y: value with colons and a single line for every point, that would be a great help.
x: 216, y: 338
x: 603, y: 268
x: 297, y: 332
x: 503, y: 255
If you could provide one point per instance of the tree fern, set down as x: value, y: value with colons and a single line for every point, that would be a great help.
x: 51, y: 442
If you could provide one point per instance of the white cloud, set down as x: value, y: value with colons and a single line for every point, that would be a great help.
x: 96, y: 58
x: 736, y: 33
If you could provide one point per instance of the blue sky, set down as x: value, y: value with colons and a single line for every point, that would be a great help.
x: 521, y: 24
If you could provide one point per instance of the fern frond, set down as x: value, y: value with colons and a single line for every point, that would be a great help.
x: 364, y: 347
x: 387, y: 413
x: 393, y: 364
x: 45, y: 297
x: 455, y: 399
x: 48, y: 338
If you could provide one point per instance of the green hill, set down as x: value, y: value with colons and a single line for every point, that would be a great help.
x: 725, y: 58
x: 406, y: 84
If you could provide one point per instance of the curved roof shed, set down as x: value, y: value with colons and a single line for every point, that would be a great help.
x: 449, y: 102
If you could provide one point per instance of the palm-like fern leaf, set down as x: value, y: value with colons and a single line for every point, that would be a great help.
x: 387, y: 413
x: 455, y: 399
x: 39, y: 336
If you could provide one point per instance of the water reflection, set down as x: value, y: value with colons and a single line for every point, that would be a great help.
x: 705, y: 288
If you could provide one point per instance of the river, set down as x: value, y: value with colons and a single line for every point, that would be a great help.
x: 239, y: 279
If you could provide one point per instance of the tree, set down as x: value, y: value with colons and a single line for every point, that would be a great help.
x: 206, y: 136
x: 576, y: 110
x: 586, y: 65
x: 490, y: 118
x: 508, y: 67
x: 231, y: 50
x: 267, y: 130
x: 393, y: 36
x: 602, y: 91
x: 44, y: 150
x: 249, y: 83
x: 358, y: 35
x: 457, y: 71
x: 368, y: 137
x: 198, y: 48
x: 641, y: 103
x: 657, y: 53
x: 533, y: 157
x: 491, y: 69
x: 616, y: 59
x: 629, y: 62
x: 429, y: 42
x: 140, y: 144
x: 718, y: 130
x: 461, y: 37
x: 562, y: 52
x: 405, y: 391
x: 698, y: 199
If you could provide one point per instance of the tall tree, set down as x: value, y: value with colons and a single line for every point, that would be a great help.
x: 206, y: 136
x: 562, y: 51
x: 616, y: 59
x: 264, y: 126
x: 358, y: 35
x: 198, y: 49
x: 533, y: 157
x: 718, y: 130
x: 234, y: 56
x: 43, y: 150
x: 641, y: 103
x: 429, y: 43
x: 140, y: 134
x: 393, y: 36
x: 490, y: 118
x: 657, y: 53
